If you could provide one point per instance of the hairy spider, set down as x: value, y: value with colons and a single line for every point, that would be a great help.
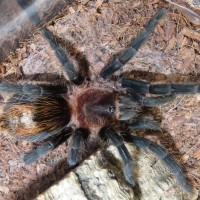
x: 83, y: 110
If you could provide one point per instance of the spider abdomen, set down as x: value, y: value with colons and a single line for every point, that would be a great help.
x: 44, y: 116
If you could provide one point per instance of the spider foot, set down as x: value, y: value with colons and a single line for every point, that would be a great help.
x: 35, y: 154
x: 128, y: 171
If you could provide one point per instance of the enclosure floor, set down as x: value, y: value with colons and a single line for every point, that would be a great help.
x: 96, y: 31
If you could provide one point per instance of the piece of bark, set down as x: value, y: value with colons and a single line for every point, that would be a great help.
x: 101, y: 177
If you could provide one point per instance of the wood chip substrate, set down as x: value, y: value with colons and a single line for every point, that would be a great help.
x: 96, y: 31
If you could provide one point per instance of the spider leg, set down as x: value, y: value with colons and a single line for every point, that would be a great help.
x: 155, y: 101
x: 128, y: 107
x: 118, y: 62
x: 144, y: 123
x: 28, y: 6
x: 143, y: 87
x: 46, y: 79
x: 164, y: 156
x: 151, y: 101
x: 108, y: 133
x: 61, y: 54
x: 46, y: 147
x: 42, y: 135
x: 74, y: 155
x: 31, y: 90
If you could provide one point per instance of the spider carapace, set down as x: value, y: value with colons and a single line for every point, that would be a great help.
x: 78, y: 109
x: 95, y: 108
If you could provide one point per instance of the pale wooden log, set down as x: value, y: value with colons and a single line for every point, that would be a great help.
x: 100, y: 177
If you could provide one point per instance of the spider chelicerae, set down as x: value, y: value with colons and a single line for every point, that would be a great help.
x: 79, y: 110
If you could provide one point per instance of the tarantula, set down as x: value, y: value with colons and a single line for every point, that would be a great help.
x: 80, y: 110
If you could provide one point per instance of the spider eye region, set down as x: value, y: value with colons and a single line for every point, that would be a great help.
x: 96, y: 108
